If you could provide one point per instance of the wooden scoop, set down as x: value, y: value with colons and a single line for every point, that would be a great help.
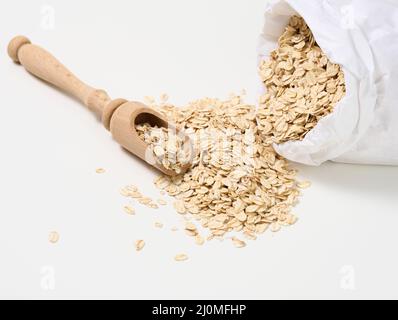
x: 119, y: 116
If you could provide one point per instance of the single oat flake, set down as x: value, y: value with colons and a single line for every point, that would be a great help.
x: 158, y: 225
x: 162, y: 202
x: 139, y: 245
x: 238, y: 243
x: 181, y: 257
x: 199, y: 240
x: 129, y: 210
x: 53, y: 237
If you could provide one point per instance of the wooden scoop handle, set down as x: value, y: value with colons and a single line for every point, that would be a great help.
x: 118, y: 116
x: 46, y: 67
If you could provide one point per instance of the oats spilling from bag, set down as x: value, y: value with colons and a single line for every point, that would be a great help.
x: 236, y: 182
x: 302, y: 85
x: 166, y: 146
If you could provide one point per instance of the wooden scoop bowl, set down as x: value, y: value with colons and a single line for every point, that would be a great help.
x: 119, y: 116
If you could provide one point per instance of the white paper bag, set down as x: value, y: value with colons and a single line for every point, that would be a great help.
x: 361, y: 36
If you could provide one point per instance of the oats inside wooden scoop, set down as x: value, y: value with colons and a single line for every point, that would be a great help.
x: 302, y: 85
x: 168, y: 146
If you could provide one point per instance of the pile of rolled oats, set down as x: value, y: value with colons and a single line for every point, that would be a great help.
x: 236, y: 182
x: 302, y: 85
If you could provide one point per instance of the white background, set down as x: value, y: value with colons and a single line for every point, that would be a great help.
x: 344, y: 245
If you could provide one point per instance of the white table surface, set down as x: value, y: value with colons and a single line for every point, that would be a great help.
x: 344, y: 245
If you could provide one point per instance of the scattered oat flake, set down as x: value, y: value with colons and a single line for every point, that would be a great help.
x: 158, y: 225
x: 181, y: 257
x: 53, y: 237
x: 129, y: 210
x: 139, y: 245
x: 162, y: 202
x: 153, y: 206
x: 238, y: 243
x: 135, y: 195
x: 292, y: 219
x: 100, y: 170
x: 191, y: 233
x: 145, y: 201
x: 199, y: 240
x: 249, y: 235
x: 190, y: 226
